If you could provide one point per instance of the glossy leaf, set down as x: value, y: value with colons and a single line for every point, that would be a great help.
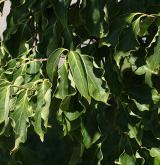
x: 96, y: 90
x: 79, y: 74
x: 89, y: 68
x: 20, y: 118
x: 53, y: 62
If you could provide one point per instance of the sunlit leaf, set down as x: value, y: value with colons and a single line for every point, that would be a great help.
x: 42, y: 107
x: 79, y: 74
x: 126, y: 159
x: 20, y: 118
x: 4, y: 102
x: 96, y: 90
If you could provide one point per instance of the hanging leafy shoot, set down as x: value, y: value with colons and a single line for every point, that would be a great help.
x: 80, y: 80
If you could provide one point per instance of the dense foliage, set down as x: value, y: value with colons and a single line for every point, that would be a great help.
x: 80, y: 83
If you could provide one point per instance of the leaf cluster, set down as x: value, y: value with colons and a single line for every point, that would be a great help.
x: 92, y: 69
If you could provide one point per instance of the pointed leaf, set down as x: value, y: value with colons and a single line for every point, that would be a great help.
x: 4, y: 103
x: 79, y: 74
x: 141, y: 107
x: 53, y: 62
x: 20, y: 118
x: 134, y: 132
x: 94, y: 83
x: 87, y: 140
x: 42, y: 110
x: 64, y: 87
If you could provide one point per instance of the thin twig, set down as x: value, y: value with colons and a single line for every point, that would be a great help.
x: 40, y: 60
x: 37, y: 60
x: 22, y: 87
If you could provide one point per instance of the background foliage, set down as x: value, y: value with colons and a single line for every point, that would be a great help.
x: 94, y: 102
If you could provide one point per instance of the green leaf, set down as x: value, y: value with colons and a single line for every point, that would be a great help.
x: 96, y: 90
x: 155, y: 96
x: 138, y: 156
x: 20, y: 118
x: 114, y: 31
x: 64, y: 87
x: 126, y: 159
x: 79, y: 74
x: 19, y: 80
x: 99, y: 154
x: 112, y: 57
x: 33, y: 67
x: 135, y: 132
x: 157, y: 160
x: 155, y: 152
x: 123, y: 48
x: 93, y: 16
x: 53, y: 61
x: 87, y: 140
x: 60, y: 11
x: 153, y: 61
x: 65, y: 103
x: 42, y: 107
x: 141, y: 107
x: 141, y: 25
x: 64, y: 121
x: 4, y: 102
x: 73, y: 115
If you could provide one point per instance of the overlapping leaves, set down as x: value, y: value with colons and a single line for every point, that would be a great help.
x: 77, y: 72
x: 111, y: 109
x: 20, y: 86
x: 26, y: 98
